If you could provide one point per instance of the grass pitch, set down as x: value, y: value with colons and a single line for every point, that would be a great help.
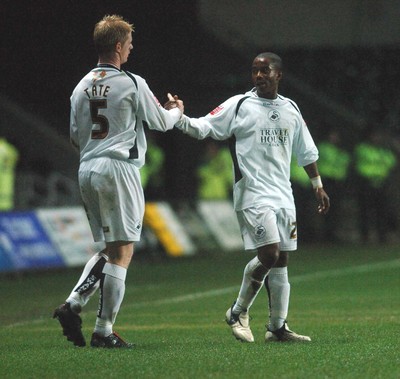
x: 345, y: 297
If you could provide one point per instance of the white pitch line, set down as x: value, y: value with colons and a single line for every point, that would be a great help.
x: 361, y: 269
x: 295, y: 279
x: 222, y: 291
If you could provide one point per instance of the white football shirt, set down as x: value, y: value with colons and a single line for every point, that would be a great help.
x: 262, y: 134
x: 109, y: 110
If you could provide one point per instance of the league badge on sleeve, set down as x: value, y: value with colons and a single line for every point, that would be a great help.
x: 217, y: 110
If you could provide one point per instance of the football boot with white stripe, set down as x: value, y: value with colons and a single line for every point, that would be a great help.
x: 284, y: 334
x: 239, y: 324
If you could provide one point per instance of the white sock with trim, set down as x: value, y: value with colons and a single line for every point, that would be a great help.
x: 112, y: 293
x: 278, y: 287
x: 88, y: 283
x: 253, y: 279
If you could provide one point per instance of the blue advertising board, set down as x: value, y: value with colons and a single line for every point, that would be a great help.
x: 24, y: 244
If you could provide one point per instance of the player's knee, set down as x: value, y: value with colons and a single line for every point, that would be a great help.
x: 282, y: 260
x: 268, y: 255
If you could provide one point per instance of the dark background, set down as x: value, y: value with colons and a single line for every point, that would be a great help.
x: 46, y: 47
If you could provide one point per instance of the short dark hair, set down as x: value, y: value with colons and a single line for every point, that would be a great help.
x: 275, y: 59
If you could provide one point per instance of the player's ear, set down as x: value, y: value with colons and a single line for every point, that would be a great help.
x: 118, y: 47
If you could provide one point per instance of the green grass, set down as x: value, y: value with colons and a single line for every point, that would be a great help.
x: 346, y: 298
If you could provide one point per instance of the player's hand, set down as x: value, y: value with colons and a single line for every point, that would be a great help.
x: 171, y: 103
x: 174, y: 102
x: 323, y: 201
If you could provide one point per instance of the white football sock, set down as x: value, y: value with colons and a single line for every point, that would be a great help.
x: 88, y: 283
x: 278, y: 288
x: 253, y: 279
x: 112, y: 289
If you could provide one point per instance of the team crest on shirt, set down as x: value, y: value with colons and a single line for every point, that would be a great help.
x: 274, y: 115
x: 98, y: 75
x: 216, y: 110
x: 259, y: 231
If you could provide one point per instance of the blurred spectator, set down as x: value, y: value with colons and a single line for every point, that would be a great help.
x: 374, y: 161
x: 215, y: 173
x: 333, y: 166
x: 152, y: 172
x: 8, y: 161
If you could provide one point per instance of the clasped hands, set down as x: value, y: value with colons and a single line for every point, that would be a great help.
x: 174, y: 102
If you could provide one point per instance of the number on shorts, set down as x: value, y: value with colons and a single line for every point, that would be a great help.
x: 293, y: 231
x: 98, y: 119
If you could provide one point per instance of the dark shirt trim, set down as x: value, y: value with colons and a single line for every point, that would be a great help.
x: 232, y: 148
x: 239, y: 104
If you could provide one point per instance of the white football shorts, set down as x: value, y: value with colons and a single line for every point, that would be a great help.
x: 263, y: 226
x: 113, y: 197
